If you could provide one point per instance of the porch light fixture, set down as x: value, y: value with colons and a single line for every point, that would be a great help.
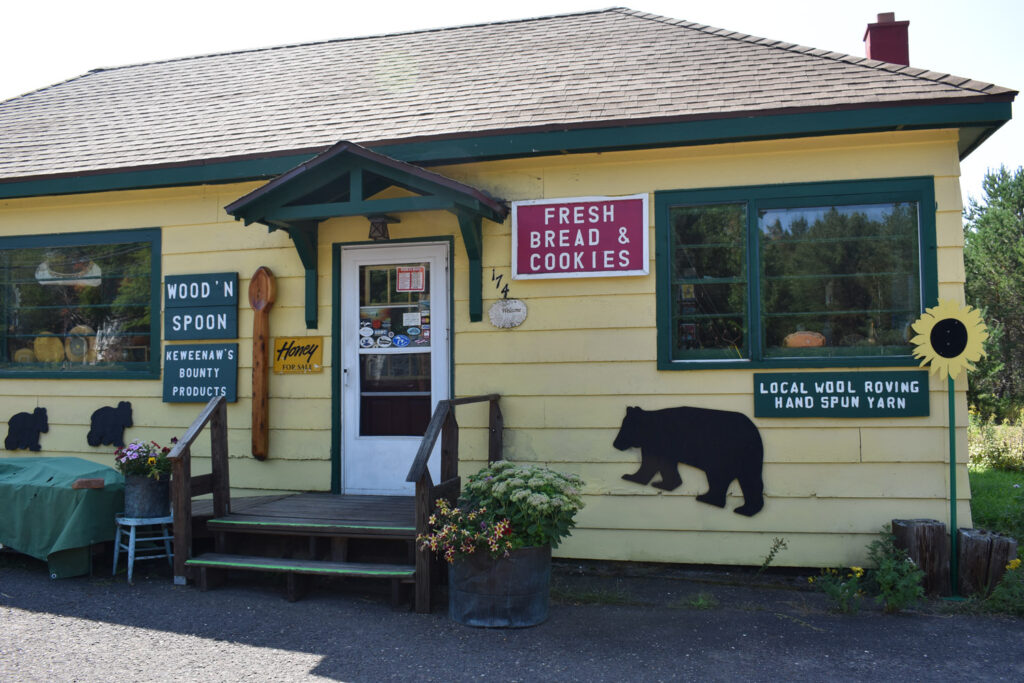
x: 379, y: 227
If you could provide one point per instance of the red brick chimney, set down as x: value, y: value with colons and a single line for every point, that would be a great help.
x: 887, y: 41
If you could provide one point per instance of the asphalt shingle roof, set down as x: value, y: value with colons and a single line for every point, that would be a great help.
x: 584, y: 69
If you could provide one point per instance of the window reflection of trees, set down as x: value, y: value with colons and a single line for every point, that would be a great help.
x: 849, y: 273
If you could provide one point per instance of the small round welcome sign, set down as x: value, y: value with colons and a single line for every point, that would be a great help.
x: 506, y: 313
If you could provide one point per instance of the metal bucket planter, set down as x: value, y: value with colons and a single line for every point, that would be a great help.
x: 504, y: 592
x: 146, y: 497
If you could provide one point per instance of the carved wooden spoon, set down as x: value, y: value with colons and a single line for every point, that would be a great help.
x: 262, y: 292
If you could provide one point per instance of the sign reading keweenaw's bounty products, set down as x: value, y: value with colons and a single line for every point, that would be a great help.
x: 201, y: 306
x: 580, y: 237
x: 195, y: 373
x: 841, y: 394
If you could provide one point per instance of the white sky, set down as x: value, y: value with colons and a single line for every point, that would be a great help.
x: 46, y: 42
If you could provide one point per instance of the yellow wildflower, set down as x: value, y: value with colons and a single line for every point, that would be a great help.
x: 857, y: 571
x: 1013, y: 564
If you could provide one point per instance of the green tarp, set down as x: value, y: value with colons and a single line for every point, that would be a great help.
x: 42, y: 516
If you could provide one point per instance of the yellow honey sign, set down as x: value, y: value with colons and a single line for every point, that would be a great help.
x: 298, y: 355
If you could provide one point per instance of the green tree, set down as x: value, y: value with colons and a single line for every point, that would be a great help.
x: 994, y: 262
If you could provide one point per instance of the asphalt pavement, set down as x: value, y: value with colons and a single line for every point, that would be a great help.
x: 607, y: 623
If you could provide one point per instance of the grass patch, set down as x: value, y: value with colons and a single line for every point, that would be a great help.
x: 699, y: 601
x: 997, y: 501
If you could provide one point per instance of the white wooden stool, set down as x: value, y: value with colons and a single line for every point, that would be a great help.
x: 134, y: 530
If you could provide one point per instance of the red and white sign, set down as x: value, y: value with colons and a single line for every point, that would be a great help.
x: 410, y: 279
x: 580, y: 237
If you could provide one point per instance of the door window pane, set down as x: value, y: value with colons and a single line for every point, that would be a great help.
x: 394, y: 306
x: 394, y: 354
x: 394, y: 394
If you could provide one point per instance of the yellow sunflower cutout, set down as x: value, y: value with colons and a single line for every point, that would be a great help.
x: 949, y: 338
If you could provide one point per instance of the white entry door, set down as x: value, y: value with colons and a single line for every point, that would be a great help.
x: 395, y: 361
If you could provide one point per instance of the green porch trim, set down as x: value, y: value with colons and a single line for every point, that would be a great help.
x: 334, y: 184
x: 305, y: 569
x: 472, y: 237
x: 304, y: 235
x: 244, y: 522
x: 978, y: 119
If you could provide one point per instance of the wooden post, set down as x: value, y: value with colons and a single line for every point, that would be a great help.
x: 423, y: 555
x: 181, y: 498
x: 983, y: 559
x: 497, y: 432
x: 449, y: 447
x: 219, y: 460
x: 927, y: 544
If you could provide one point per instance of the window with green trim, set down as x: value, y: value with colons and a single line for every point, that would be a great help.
x: 804, y: 274
x: 80, y: 303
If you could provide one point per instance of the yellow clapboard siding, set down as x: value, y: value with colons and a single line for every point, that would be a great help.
x: 595, y: 378
x: 779, y: 516
x: 569, y: 346
x: 111, y: 211
x: 951, y: 264
x: 810, y: 444
x: 909, y: 444
x: 222, y: 236
x: 39, y: 390
x: 782, y: 481
x: 696, y: 547
x: 279, y: 475
x: 598, y: 313
x: 283, y: 261
x: 949, y: 230
x: 572, y: 287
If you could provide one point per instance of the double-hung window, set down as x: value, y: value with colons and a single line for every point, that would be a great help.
x: 80, y: 304
x: 810, y: 274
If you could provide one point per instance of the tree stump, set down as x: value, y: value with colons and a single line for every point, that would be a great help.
x: 983, y: 559
x: 927, y: 544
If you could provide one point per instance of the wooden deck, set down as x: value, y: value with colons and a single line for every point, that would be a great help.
x: 318, y: 514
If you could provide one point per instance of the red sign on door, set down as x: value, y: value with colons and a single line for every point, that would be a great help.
x: 411, y: 279
x: 580, y: 237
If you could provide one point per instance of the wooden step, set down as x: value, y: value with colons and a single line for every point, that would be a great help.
x: 323, y: 514
x: 211, y: 566
x: 304, y: 527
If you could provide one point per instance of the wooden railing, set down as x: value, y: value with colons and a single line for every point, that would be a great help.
x: 184, y: 487
x: 443, y: 424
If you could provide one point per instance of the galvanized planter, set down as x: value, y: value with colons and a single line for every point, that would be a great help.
x: 506, y: 592
x: 146, y: 497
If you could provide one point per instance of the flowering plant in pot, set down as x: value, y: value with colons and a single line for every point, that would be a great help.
x: 498, y: 541
x: 144, y: 459
x: 146, y: 469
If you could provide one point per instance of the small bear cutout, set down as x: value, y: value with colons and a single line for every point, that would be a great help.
x: 23, y: 430
x: 108, y: 425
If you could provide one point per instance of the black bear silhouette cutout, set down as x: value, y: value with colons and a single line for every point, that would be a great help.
x: 23, y: 430
x: 726, y: 445
x: 108, y: 425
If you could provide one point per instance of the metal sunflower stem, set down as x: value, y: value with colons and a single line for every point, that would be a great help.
x: 954, y: 560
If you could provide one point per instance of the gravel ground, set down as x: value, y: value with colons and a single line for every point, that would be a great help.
x: 607, y: 623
